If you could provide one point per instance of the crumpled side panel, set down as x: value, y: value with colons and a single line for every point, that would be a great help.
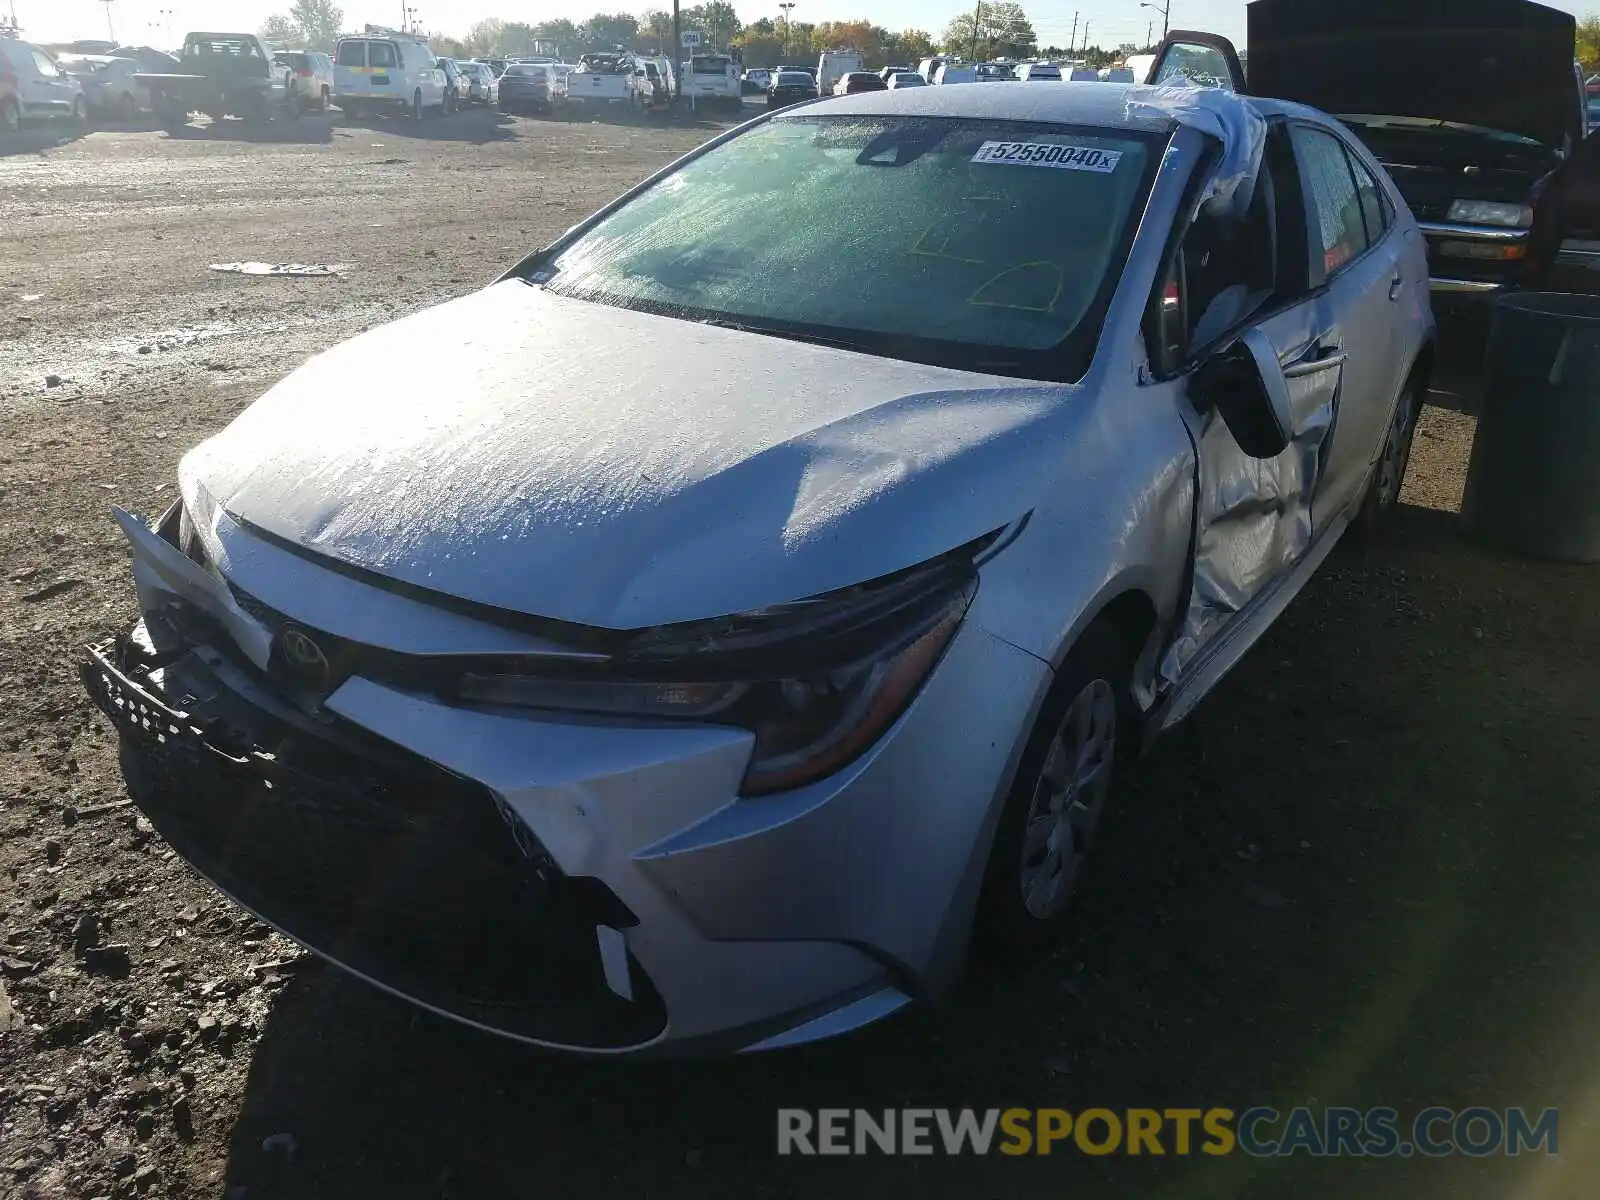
x: 1255, y: 521
x: 1220, y: 114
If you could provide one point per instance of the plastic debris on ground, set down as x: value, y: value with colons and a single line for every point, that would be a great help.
x: 295, y: 269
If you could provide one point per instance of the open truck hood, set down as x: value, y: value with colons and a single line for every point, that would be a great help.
x: 1500, y: 64
x: 619, y: 469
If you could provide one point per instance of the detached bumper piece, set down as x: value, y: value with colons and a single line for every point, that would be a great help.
x: 393, y: 868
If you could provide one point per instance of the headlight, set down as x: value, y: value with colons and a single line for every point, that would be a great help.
x: 1488, y: 212
x: 817, y: 682
x: 196, y: 516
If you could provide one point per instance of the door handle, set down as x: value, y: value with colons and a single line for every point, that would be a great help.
x: 1321, y: 355
x: 1394, y: 286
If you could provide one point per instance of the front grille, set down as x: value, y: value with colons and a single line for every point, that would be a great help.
x: 386, y: 863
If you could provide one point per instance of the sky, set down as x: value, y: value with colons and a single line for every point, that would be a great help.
x: 145, y: 22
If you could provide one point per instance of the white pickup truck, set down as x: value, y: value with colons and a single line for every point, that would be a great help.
x: 601, y: 80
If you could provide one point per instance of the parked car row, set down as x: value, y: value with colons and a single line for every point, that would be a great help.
x: 38, y: 85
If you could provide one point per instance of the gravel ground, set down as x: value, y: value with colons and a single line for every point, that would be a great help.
x: 1362, y: 875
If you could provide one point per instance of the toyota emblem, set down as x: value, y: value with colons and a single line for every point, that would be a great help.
x: 303, y: 656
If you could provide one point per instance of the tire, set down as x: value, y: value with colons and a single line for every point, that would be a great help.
x: 10, y: 116
x: 323, y: 101
x: 127, y: 109
x: 417, y: 111
x: 1065, y: 778
x: 80, y: 112
x: 1383, y: 490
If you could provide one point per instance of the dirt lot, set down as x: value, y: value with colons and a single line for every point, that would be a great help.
x: 1365, y: 874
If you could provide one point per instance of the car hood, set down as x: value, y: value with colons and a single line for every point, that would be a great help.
x: 1500, y: 64
x: 621, y: 469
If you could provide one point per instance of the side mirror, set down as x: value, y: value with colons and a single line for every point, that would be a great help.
x: 1246, y: 386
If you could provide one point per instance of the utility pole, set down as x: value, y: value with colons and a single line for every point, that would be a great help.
x: 109, y: 28
x: 977, y: 21
x: 677, y: 53
x: 1086, y: 37
x: 1148, y: 26
x: 1072, y: 41
x: 788, y: 7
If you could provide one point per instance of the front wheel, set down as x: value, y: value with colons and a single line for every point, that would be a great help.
x: 80, y: 112
x: 323, y: 101
x: 10, y: 116
x: 127, y: 109
x: 1058, y: 796
x: 417, y: 111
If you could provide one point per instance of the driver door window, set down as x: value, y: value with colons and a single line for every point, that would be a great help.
x: 1228, y: 268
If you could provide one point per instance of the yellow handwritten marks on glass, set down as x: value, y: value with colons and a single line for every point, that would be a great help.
x: 930, y: 244
x: 1043, y: 154
x: 1023, y: 287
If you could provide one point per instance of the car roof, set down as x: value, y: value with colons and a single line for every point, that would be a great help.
x: 1103, y: 104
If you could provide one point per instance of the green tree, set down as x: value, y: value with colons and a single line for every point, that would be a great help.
x: 562, y: 32
x: 761, y: 49
x: 715, y: 19
x: 484, y: 37
x: 517, y: 37
x: 992, y: 31
x: 277, y: 30
x: 655, y: 30
x: 606, y: 31
x: 319, y: 22
x: 1589, y: 42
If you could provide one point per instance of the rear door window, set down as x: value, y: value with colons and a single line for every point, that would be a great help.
x: 1325, y: 167
x: 1374, y: 208
x: 352, y: 54
x: 382, y: 55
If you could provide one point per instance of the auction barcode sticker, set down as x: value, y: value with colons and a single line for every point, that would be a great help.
x: 1042, y: 154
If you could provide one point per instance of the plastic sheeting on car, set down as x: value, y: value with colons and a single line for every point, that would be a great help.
x: 1220, y: 114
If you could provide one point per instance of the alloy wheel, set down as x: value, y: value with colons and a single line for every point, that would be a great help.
x: 1068, y: 798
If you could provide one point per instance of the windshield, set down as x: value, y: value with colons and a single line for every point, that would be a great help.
x: 1043, y: 73
x: 709, y: 64
x: 986, y: 245
x: 794, y: 79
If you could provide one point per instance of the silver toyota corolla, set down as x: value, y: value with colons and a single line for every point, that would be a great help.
x: 827, y: 518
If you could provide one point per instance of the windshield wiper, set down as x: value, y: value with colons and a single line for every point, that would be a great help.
x: 793, y: 335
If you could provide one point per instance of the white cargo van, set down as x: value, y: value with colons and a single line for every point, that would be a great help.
x: 956, y: 73
x: 834, y: 65
x: 384, y: 69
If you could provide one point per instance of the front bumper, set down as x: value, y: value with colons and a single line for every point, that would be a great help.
x: 1458, y: 273
x: 588, y: 885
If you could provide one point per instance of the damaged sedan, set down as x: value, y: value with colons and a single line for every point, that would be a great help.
x: 952, y: 444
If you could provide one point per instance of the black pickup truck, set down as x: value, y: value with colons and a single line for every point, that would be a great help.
x: 1475, y: 107
x: 223, y: 74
